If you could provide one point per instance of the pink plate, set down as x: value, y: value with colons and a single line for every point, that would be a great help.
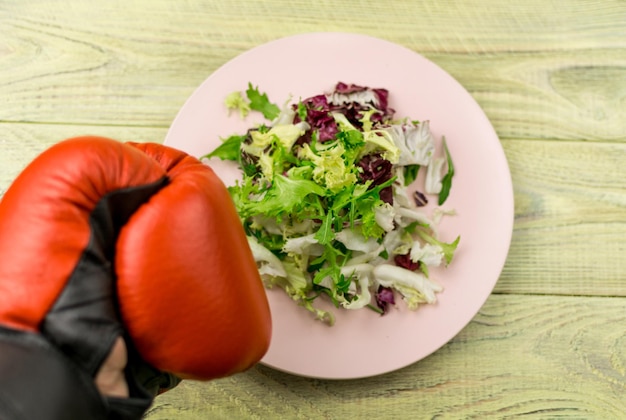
x: 362, y: 343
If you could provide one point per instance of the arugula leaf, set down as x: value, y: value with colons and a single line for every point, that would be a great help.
x: 230, y: 149
x: 446, y: 181
x: 325, y: 234
x: 260, y: 102
x: 344, y: 198
x: 343, y: 284
x: 270, y: 241
x: 330, y: 267
x: 410, y: 174
x: 329, y: 271
x: 302, y: 111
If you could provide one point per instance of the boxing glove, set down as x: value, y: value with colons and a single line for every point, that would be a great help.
x: 101, y: 239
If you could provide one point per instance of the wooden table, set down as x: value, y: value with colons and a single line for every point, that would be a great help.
x: 550, y: 75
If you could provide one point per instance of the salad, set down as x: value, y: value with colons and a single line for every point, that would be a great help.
x: 324, y: 200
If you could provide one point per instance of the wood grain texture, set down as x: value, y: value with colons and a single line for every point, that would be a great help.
x: 551, y: 76
x: 565, y: 78
x: 561, y: 361
x: 570, y: 218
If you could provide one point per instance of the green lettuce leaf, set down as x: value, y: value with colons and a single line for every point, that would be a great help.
x: 260, y: 102
x: 446, y: 181
x: 447, y: 248
x: 283, y: 196
x: 230, y: 149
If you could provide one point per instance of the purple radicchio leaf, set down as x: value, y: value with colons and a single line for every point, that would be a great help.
x: 324, y: 123
x: 404, y: 261
x: 318, y: 102
x: 353, y: 110
x: 319, y: 118
x: 375, y: 168
x: 345, y: 88
x: 378, y: 170
x: 384, y: 298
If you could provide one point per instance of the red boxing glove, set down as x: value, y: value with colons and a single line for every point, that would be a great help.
x: 100, y: 239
